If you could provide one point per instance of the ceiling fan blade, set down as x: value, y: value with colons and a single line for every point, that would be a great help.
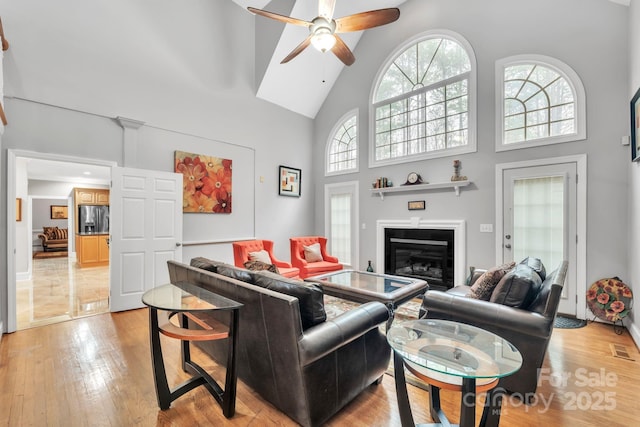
x: 5, y: 43
x: 278, y: 17
x: 326, y: 8
x: 365, y: 20
x: 342, y: 51
x: 295, y: 52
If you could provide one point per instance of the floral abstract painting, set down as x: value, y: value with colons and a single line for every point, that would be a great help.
x: 206, y: 182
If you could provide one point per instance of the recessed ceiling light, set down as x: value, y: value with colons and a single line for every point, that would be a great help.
x: 87, y: 173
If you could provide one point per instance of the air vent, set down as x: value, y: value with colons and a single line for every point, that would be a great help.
x: 621, y: 351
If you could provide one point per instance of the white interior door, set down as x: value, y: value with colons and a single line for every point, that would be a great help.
x: 146, y: 232
x: 539, y: 220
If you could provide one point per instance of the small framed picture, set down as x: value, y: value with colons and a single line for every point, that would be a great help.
x: 59, y: 212
x: 635, y: 126
x: 289, y: 181
x: 416, y: 205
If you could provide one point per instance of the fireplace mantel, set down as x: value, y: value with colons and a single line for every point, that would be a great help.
x: 458, y: 226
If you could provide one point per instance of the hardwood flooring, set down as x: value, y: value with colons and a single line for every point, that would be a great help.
x: 59, y: 291
x: 96, y: 371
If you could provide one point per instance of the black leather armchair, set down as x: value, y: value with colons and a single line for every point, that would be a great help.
x: 529, y: 329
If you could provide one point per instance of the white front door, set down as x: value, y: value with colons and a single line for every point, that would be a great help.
x: 539, y: 220
x: 146, y: 232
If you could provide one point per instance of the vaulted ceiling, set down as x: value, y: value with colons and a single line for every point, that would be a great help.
x: 302, y: 84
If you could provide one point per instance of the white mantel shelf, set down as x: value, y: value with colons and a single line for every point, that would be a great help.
x: 456, y: 185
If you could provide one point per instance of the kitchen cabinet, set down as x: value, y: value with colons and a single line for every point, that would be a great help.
x: 92, y: 250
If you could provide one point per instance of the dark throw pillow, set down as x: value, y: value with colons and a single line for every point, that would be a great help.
x: 483, y: 287
x: 537, y: 266
x: 310, y: 296
x: 236, y: 273
x: 260, y: 266
x: 206, y: 264
x: 518, y: 288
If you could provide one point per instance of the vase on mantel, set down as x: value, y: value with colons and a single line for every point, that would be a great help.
x: 369, y: 267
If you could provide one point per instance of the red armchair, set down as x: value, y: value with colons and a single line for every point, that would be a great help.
x: 241, y: 255
x: 326, y: 265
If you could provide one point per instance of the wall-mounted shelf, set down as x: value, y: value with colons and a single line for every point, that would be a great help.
x: 456, y: 185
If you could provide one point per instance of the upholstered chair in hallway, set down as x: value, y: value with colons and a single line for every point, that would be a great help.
x: 309, y: 254
x: 250, y: 250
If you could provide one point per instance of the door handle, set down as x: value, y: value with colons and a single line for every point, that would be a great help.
x: 508, y: 236
x: 508, y: 246
x: 178, y: 244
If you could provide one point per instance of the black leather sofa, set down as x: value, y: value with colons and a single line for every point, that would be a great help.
x: 523, y: 312
x: 306, y: 366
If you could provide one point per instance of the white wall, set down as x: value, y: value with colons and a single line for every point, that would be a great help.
x: 184, y: 69
x: 588, y: 35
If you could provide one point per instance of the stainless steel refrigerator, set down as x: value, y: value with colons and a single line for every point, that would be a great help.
x: 93, y: 219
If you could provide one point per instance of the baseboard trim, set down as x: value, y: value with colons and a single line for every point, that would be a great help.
x: 635, y: 334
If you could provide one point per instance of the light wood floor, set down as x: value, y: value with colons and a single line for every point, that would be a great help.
x: 59, y: 291
x: 97, y: 371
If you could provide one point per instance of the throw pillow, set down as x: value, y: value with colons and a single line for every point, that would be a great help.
x: 206, y: 264
x: 310, y: 296
x: 518, y: 288
x: 483, y: 287
x: 262, y: 256
x: 537, y: 266
x: 312, y: 253
x: 260, y: 266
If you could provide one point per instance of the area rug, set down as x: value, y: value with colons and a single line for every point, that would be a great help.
x: 56, y: 254
x: 563, y: 322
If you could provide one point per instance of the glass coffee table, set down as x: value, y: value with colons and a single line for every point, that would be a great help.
x: 362, y: 286
x: 454, y: 356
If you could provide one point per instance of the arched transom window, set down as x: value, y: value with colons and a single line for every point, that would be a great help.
x: 542, y: 103
x: 342, y: 147
x: 422, y: 101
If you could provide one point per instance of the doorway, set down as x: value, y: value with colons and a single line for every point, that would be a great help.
x: 541, y: 210
x: 62, y: 286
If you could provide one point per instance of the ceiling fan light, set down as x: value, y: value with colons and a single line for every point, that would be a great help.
x: 323, y: 40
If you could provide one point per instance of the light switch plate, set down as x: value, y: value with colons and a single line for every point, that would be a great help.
x: 486, y: 228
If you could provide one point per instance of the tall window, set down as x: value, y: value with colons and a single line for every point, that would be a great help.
x: 341, y: 221
x: 542, y: 102
x: 342, y: 147
x: 423, y: 101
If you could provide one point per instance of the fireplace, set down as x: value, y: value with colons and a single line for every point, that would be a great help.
x: 425, y: 254
x: 425, y: 249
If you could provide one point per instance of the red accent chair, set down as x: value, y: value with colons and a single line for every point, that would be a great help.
x: 241, y: 255
x: 328, y: 264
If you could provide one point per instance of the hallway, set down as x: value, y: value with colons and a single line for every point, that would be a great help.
x: 60, y: 291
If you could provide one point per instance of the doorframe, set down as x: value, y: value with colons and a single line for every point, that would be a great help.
x: 581, y: 218
x: 12, y: 155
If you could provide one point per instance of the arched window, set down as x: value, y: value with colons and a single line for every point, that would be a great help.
x: 342, y: 147
x: 423, y: 101
x: 539, y: 101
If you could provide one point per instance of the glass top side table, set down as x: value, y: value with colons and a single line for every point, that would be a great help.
x: 455, y: 356
x: 185, y: 299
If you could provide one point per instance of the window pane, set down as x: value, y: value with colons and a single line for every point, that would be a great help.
x: 516, y: 135
x: 514, y: 122
x: 535, y: 132
x: 537, y: 117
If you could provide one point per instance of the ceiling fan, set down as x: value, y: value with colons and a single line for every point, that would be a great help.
x: 323, y: 29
